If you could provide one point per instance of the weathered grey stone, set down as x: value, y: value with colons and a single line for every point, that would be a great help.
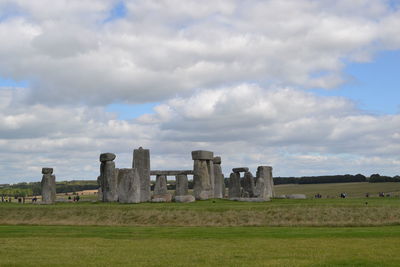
x: 264, y: 182
x: 171, y: 173
x: 185, y: 199
x: 203, y: 179
x: 249, y: 199
x: 160, y: 187
x: 296, y: 196
x: 109, y: 181
x: 141, y: 161
x: 181, y: 186
x: 99, y: 191
x: 217, y: 160
x: 223, y: 186
x: 218, y: 178
x: 107, y: 157
x: 47, y: 170
x: 128, y: 186
x: 202, y: 155
x: 161, y: 198
x: 48, y: 188
x: 241, y: 169
x: 248, y: 185
x: 234, y: 185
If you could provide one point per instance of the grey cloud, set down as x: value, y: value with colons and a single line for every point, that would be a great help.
x: 71, y: 57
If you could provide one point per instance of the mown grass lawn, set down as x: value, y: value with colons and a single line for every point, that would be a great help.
x: 198, y: 246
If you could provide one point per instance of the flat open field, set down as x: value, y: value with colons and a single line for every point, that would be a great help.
x: 278, y: 212
x: 198, y: 246
x: 333, y: 190
x: 282, y: 232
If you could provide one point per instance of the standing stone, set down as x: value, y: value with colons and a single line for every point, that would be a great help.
x: 141, y: 161
x: 218, y: 178
x: 234, y: 185
x: 264, y: 182
x: 181, y: 186
x: 223, y: 186
x: 99, y: 191
x: 128, y: 186
x: 160, y: 190
x: 48, y: 186
x: 108, y: 178
x: 248, y: 185
x: 160, y: 187
x: 203, y: 174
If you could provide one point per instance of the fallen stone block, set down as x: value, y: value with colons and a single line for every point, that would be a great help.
x: 249, y: 199
x: 161, y: 198
x: 185, y: 199
x: 296, y: 196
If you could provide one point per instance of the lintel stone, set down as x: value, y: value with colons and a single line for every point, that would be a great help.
x: 241, y: 169
x: 172, y: 173
x: 47, y: 170
x: 107, y: 157
x: 217, y: 160
x: 202, y: 155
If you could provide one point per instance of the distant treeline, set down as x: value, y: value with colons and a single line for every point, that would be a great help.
x: 347, y: 178
x: 34, y: 188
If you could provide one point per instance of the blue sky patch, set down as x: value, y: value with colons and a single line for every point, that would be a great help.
x: 374, y: 86
x: 128, y: 112
x: 118, y: 11
x: 12, y: 83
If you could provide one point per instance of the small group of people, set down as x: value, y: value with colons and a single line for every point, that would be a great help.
x: 318, y: 195
x: 382, y: 194
x: 5, y: 199
x: 75, y: 199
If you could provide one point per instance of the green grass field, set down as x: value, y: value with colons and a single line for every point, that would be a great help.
x: 198, y: 246
x: 278, y: 212
x: 355, y: 231
x: 353, y: 190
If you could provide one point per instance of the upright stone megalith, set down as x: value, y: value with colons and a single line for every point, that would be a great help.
x: 234, y: 185
x: 128, y: 186
x: 48, y: 186
x: 160, y: 187
x: 264, y: 182
x: 108, y: 178
x: 248, y: 185
x: 203, y: 174
x: 141, y: 161
x: 219, y: 187
x: 181, y: 188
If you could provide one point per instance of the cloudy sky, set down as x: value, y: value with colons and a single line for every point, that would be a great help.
x: 308, y: 87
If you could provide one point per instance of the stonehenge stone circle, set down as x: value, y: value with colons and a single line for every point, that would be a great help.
x: 132, y: 185
x: 219, y: 186
x: 264, y: 182
x: 108, y: 177
x: 234, y: 185
x: 128, y: 186
x: 141, y: 161
x: 248, y: 185
x: 203, y: 174
x: 181, y: 185
x: 48, y: 185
